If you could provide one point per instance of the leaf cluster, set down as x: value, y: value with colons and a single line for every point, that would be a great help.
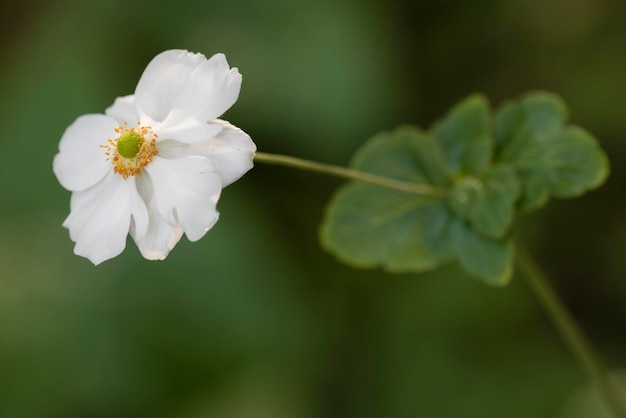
x: 487, y: 167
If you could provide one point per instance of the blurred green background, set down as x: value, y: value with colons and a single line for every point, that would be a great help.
x: 255, y: 320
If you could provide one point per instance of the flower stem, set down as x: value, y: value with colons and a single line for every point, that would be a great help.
x: 571, y: 332
x: 349, y: 173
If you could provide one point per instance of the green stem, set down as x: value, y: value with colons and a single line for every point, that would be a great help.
x: 349, y: 173
x: 571, y: 332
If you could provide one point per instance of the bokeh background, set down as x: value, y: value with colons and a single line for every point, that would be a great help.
x: 255, y: 320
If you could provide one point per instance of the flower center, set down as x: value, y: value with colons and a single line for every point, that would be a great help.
x: 132, y: 150
x: 128, y: 144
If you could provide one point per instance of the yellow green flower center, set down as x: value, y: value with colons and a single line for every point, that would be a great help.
x: 128, y: 144
x: 132, y: 150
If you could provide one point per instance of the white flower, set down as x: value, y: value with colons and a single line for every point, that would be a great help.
x: 155, y: 163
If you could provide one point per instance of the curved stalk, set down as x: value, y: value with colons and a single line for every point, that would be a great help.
x: 349, y: 173
x: 572, y: 334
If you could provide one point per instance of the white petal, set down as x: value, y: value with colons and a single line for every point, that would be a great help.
x: 186, y: 191
x: 81, y: 162
x: 123, y: 110
x: 231, y: 152
x: 162, y: 82
x: 100, y: 217
x: 178, y: 85
x: 187, y: 130
x: 160, y: 237
x: 213, y: 87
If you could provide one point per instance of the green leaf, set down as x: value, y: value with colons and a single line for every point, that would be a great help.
x: 534, y: 194
x: 487, y: 202
x: 489, y: 260
x: 406, y: 153
x: 465, y: 134
x: 549, y: 157
x: 567, y: 162
x: 368, y: 225
x: 536, y: 113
